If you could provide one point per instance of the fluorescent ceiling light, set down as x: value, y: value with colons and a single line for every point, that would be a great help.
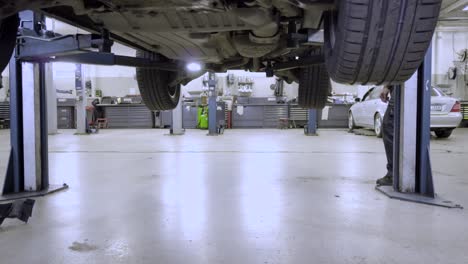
x: 465, y: 8
x: 194, y: 67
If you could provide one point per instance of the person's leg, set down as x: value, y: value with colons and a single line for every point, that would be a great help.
x: 388, y: 144
x: 388, y: 138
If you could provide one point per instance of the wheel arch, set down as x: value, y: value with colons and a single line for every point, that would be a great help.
x: 378, y: 113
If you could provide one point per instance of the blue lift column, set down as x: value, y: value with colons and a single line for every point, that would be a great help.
x: 212, y: 106
x: 14, y: 180
x: 27, y: 172
x: 311, y: 129
x: 412, y: 172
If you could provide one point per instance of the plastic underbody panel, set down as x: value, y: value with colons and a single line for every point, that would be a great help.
x: 179, y: 35
x: 214, y: 31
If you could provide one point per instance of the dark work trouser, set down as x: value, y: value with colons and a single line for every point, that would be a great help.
x: 388, y: 136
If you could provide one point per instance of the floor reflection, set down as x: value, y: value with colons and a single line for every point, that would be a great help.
x: 184, y: 196
x: 261, y: 198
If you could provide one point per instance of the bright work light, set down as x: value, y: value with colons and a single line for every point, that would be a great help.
x: 194, y: 67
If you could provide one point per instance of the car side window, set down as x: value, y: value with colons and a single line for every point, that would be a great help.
x: 367, y: 95
x: 437, y: 92
x: 375, y: 93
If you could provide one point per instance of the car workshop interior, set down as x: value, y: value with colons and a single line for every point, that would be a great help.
x: 239, y: 160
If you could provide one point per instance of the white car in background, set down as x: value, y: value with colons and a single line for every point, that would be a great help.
x: 369, y: 112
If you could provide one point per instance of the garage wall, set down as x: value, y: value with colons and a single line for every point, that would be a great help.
x: 120, y: 81
x: 63, y: 75
x: 261, y: 86
x: 115, y: 80
x: 112, y: 80
x: 446, y: 44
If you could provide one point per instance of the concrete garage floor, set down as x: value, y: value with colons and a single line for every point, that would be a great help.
x: 249, y: 196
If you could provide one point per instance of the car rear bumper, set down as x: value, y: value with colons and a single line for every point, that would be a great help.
x: 450, y: 120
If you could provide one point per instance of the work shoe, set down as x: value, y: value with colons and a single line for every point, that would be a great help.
x: 385, y: 181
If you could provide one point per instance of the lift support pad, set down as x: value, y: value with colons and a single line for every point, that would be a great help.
x: 413, y: 197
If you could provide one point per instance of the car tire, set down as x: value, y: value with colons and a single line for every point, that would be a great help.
x: 443, y: 133
x: 8, y: 32
x: 314, y: 87
x: 378, y: 125
x: 155, y: 85
x: 378, y: 42
x: 351, y: 123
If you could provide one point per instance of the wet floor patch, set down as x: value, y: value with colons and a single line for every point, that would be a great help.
x: 82, y: 247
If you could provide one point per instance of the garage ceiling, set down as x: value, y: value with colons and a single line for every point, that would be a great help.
x: 452, y: 13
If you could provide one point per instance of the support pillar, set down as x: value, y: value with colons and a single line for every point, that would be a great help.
x: 51, y: 100
x: 27, y: 172
x: 311, y: 129
x: 177, y: 126
x: 424, y: 181
x: 81, y: 122
x: 28, y: 165
x: 32, y: 104
x: 14, y: 180
x: 407, y: 135
x: 212, y: 106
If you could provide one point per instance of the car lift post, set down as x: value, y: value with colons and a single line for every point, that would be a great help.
x: 51, y: 100
x: 212, y: 122
x: 311, y: 129
x: 81, y: 102
x: 27, y: 171
x: 176, y: 121
x: 412, y: 172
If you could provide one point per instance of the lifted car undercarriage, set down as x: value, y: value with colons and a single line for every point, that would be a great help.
x: 360, y: 41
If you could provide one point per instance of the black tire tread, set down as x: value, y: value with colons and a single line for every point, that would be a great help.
x: 154, y: 85
x: 443, y: 133
x: 353, y: 126
x: 314, y: 87
x: 361, y: 55
x: 8, y: 32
